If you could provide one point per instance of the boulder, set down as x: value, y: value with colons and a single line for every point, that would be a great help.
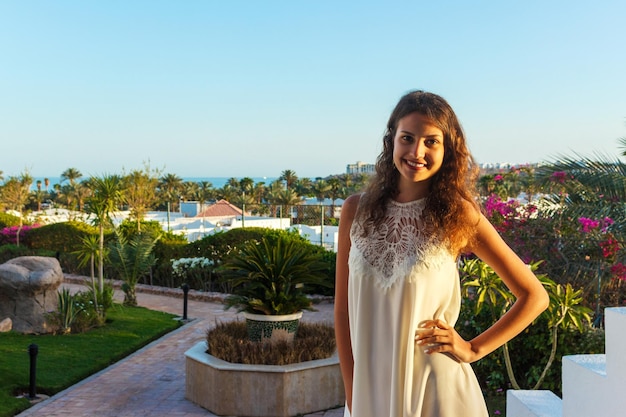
x: 28, y: 290
x: 6, y: 325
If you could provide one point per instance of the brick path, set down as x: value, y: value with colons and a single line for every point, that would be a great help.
x: 151, y: 382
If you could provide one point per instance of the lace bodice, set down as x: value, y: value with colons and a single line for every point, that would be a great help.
x: 398, y: 248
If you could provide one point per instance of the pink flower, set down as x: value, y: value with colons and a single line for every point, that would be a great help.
x: 606, y: 223
x: 609, y: 247
x: 619, y: 271
x: 498, y: 177
x: 559, y: 177
x: 588, y: 224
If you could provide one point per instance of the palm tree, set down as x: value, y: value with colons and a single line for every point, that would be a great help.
x: 289, y: 177
x: 190, y: 190
x: 334, y: 192
x: 303, y: 187
x: 71, y: 174
x: 593, y: 187
x: 81, y: 194
x: 206, y: 192
x: 232, y: 182
x: 132, y: 258
x: 246, y: 185
x: 170, y: 186
x: 38, y: 195
x: 286, y: 198
x: 106, y: 195
x: 320, y: 189
x: 87, y: 255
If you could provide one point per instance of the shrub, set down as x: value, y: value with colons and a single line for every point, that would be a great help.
x: 63, y: 239
x: 229, y: 342
x: 8, y: 220
x: 9, y: 234
x: 268, y: 277
x: 195, y: 272
x: 165, y: 250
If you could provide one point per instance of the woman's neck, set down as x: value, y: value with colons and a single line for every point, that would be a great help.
x: 411, y: 191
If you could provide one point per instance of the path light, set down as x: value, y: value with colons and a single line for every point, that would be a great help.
x: 33, y: 349
x: 185, y: 288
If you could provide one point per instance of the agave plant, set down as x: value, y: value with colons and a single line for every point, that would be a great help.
x: 269, y: 277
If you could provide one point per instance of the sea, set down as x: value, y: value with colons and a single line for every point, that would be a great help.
x: 217, y: 182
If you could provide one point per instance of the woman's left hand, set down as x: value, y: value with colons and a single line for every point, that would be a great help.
x: 437, y: 336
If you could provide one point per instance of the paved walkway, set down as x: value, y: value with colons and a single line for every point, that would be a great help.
x: 151, y: 382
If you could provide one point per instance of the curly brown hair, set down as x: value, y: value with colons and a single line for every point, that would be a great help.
x: 452, y: 188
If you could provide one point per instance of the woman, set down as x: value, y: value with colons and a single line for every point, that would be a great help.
x: 397, y: 294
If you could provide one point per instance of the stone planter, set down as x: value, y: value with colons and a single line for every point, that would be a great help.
x: 231, y: 389
x: 264, y: 328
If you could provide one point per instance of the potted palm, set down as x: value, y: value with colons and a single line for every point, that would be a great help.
x: 268, y: 279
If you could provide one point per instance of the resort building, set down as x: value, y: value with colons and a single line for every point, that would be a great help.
x: 360, y: 168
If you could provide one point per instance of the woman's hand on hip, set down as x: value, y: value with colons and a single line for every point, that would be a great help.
x: 436, y: 336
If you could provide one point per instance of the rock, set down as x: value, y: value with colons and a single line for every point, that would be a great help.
x: 6, y: 325
x: 28, y: 290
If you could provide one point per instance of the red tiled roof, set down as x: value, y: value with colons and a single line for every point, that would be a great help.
x: 221, y: 208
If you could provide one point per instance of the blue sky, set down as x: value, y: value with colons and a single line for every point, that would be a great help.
x: 251, y: 88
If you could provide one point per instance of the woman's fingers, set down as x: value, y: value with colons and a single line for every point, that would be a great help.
x: 436, y: 336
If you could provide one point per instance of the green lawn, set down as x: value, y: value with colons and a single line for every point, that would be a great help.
x: 65, y: 360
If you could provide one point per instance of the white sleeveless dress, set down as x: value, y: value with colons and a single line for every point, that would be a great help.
x: 397, y: 280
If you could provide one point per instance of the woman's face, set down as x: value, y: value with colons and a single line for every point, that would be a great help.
x: 418, y: 150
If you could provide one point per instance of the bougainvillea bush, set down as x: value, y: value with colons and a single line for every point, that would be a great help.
x: 582, y: 251
x: 9, y: 234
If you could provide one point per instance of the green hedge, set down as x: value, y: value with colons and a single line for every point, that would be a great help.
x: 63, y: 239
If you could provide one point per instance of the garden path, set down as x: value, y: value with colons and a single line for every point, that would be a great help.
x: 151, y: 382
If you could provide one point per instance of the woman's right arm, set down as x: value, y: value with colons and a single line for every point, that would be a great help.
x: 342, y: 323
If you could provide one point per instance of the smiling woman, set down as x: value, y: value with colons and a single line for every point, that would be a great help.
x: 397, y: 292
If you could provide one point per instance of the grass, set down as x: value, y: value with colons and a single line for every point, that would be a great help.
x: 229, y: 342
x: 65, y: 360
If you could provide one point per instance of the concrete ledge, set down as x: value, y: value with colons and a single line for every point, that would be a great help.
x: 526, y: 403
x: 262, y: 390
x: 595, y: 364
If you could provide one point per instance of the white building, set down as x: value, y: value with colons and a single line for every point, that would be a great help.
x: 360, y: 168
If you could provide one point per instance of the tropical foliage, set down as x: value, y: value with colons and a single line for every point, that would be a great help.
x: 132, y: 257
x: 269, y: 278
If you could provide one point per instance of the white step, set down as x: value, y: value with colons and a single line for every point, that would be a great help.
x: 615, y: 342
x: 527, y: 403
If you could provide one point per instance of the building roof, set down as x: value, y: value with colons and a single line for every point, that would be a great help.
x: 222, y: 208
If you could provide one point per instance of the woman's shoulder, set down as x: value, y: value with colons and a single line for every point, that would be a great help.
x: 350, y: 206
x: 472, y: 209
x: 353, y: 200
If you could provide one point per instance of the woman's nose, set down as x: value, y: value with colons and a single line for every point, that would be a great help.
x: 419, y: 149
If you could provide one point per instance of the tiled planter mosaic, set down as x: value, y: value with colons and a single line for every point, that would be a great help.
x: 231, y: 389
x: 263, y: 328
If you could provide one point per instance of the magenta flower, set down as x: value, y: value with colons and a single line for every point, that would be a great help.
x: 619, y: 271
x: 588, y: 224
x: 559, y: 177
